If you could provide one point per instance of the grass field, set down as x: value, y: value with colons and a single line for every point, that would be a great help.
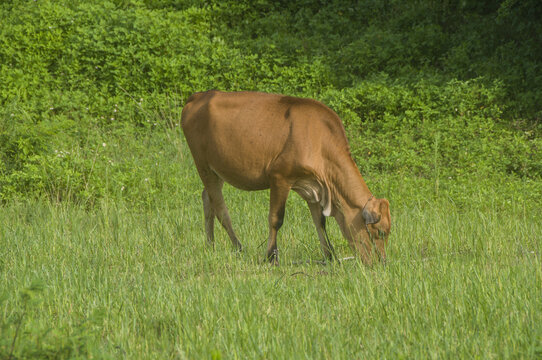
x: 102, y: 241
x: 464, y: 279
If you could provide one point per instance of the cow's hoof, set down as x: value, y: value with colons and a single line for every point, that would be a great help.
x: 273, y: 258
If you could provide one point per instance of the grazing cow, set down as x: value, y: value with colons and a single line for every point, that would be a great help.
x: 257, y: 141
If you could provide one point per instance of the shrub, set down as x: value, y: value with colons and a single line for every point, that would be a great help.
x: 425, y: 89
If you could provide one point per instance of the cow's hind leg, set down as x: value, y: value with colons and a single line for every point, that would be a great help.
x: 214, y: 201
x: 209, y: 218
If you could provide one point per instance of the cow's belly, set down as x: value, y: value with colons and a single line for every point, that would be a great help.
x: 245, y: 178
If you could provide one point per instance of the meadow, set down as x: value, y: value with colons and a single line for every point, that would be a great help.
x: 102, y: 241
x: 117, y: 281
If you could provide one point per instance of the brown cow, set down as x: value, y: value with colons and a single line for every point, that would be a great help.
x: 257, y: 141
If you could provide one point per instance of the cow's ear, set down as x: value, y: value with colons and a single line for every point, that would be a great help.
x: 370, y: 215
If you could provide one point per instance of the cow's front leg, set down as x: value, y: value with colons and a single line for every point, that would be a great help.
x: 278, y: 195
x: 320, y: 223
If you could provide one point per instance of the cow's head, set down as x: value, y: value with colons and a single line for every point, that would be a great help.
x: 367, y: 229
x: 376, y: 216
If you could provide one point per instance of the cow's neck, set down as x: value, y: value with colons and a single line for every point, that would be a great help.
x: 350, y: 193
x: 349, y: 190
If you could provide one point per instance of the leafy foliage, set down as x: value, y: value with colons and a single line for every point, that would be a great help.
x: 427, y: 89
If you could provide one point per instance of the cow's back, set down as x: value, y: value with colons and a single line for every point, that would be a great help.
x: 242, y: 135
x: 236, y: 135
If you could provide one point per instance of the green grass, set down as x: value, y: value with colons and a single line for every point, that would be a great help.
x: 102, y: 243
x: 464, y: 279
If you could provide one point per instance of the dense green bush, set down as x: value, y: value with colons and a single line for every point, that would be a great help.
x: 455, y: 129
x: 90, y: 92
